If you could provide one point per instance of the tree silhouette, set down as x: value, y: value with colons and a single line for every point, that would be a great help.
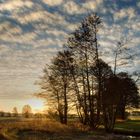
x: 111, y: 98
x: 26, y: 111
x: 15, y: 112
x: 130, y: 96
x: 78, y: 76
x: 119, y: 91
x: 56, y: 82
x: 84, y: 45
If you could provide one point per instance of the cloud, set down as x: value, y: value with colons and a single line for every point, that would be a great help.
x: 135, y: 43
x: 15, y: 5
x: 20, y: 88
x: 13, y: 38
x: 32, y: 17
x: 33, y: 31
x: 110, y: 35
x: 53, y: 2
x: 134, y: 24
x: 71, y: 7
x: 41, y: 20
x: 49, y: 42
x: 56, y: 32
x: 92, y: 5
x: 3, y: 49
x: 123, y: 13
x: 20, y: 69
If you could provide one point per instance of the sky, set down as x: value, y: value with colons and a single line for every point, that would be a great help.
x: 32, y: 31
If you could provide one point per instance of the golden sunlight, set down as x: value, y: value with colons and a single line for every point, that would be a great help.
x: 37, y: 105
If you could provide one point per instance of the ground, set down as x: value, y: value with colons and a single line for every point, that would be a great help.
x: 45, y: 129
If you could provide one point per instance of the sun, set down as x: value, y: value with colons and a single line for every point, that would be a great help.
x: 37, y: 105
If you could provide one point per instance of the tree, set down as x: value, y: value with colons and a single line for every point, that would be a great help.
x: 26, y: 111
x: 78, y: 76
x: 62, y: 66
x: 1, y: 114
x: 112, y: 94
x: 52, y: 92
x: 122, y: 54
x: 119, y: 91
x: 136, y: 77
x: 56, y: 82
x: 15, y: 112
x: 84, y: 45
x: 130, y: 96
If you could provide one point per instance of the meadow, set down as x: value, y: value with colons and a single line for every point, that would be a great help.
x: 45, y: 129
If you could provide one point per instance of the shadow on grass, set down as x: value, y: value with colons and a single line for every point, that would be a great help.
x: 41, y: 135
x: 130, y: 127
x: 2, y: 137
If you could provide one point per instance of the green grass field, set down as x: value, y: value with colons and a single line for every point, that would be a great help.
x: 130, y: 125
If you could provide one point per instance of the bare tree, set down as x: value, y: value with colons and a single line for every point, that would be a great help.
x: 122, y: 54
x: 84, y: 45
x: 56, y: 81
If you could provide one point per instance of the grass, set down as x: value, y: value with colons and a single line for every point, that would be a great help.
x: 130, y: 125
x: 23, y: 128
x: 45, y: 129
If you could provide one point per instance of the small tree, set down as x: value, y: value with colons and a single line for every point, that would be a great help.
x: 15, y: 112
x: 122, y: 54
x: 26, y: 111
x: 1, y: 114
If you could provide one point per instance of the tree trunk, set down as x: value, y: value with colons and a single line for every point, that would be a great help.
x: 99, y: 80
x: 65, y: 103
x: 109, y: 113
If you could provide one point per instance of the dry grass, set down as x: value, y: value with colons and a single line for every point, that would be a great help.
x: 45, y: 129
x: 10, y: 129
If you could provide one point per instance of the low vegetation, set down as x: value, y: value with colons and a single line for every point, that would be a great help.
x: 46, y: 129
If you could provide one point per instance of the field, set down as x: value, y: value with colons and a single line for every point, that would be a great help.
x: 45, y: 129
x: 130, y: 125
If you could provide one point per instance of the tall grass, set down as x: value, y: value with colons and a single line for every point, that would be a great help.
x: 46, y: 129
x: 11, y: 129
